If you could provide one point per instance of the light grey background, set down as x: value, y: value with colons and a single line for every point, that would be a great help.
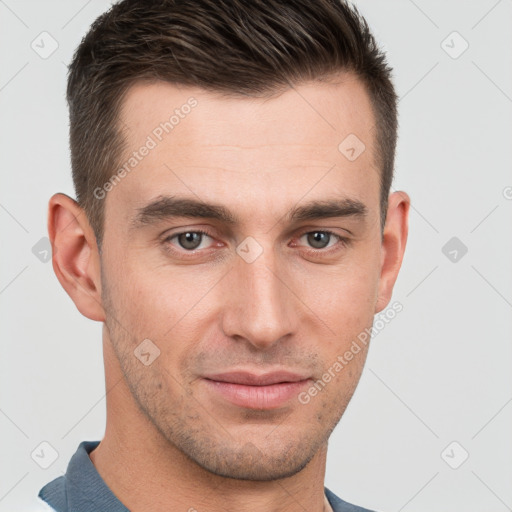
x: 439, y: 373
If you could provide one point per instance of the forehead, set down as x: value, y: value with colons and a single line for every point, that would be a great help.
x: 320, y: 112
x: 265, y: 150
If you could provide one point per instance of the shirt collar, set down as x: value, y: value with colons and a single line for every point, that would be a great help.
x: 86, y: 490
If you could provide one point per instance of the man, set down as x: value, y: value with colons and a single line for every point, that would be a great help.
x: 235, y: 234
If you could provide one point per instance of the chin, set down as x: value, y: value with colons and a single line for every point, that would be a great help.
x: 273, y: 461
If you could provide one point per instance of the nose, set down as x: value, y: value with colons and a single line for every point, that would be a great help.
x: 261, y: 308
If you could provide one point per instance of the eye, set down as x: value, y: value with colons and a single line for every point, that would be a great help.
x: 320, y: 240
x: 189, y: 240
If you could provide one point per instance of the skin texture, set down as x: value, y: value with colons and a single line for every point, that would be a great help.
x: 297, y: 306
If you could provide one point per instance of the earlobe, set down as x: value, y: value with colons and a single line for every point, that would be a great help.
x: 75, y: 255
x: 393, y: 245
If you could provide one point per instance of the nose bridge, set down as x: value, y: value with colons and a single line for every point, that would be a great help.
x: 260, y: 309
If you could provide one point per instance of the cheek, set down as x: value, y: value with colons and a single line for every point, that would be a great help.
x: 145, y: 290
x: 351, y: 306
x: 166, y: 305
x: 164, y: 302
x: 344, y: 297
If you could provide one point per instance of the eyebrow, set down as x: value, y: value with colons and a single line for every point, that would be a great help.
x: 168, y: 207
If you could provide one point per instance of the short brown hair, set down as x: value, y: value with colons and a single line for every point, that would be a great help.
x: 233, y: 47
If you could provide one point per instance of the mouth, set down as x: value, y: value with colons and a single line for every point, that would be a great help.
x: 257, y: 391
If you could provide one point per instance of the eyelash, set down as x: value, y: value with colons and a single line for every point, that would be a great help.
x: 342, y: 241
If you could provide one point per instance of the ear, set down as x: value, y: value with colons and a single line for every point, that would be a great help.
x: 394, y: 240
x: 75, y: 255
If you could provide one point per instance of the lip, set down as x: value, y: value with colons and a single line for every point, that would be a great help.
x: 257, y: 391
x: 254, y: 379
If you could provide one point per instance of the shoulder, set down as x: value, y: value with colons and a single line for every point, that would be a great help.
x: 338, y: 505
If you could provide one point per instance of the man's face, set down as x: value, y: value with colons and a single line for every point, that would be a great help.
x: 266, y: 292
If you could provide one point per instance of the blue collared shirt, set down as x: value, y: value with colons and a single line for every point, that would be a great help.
x: 82, y: 489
